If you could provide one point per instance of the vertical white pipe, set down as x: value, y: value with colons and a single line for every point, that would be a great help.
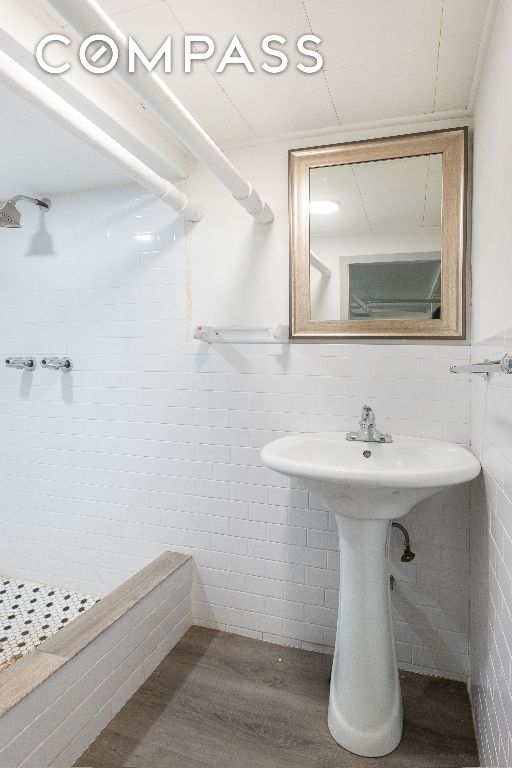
x: 29, y: 87
x: 87, y: 17
x: 318, y: 264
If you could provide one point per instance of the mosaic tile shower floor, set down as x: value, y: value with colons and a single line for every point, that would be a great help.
x: 29, y: 613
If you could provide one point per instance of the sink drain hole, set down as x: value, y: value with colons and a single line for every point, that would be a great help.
x: 367, y: 454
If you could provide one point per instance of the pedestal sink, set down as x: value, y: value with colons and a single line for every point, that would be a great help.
x: 367, y: 485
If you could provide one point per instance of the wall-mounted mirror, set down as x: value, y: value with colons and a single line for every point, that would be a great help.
x: 378, y: 238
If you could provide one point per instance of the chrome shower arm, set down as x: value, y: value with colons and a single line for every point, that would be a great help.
x: 41, y: 203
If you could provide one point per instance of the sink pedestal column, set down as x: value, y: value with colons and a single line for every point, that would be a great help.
x: 365, y: 704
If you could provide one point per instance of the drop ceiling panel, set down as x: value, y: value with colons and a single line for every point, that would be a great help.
x: 116, y: 6
x: 289, y: 98
x: 384, y: 60
x: 454, y: 94
x: 358, y: 32
x: 296, y: 102
x: 433, y: 200
x: 382, y: 196
x: 201, y: 93
x: 149, y: 27
x: 463, y: 23
x: 402, y: 209
x: 384, y: 91
x: 220, y: 119
x: 248, y: 20
x: 392, y: 175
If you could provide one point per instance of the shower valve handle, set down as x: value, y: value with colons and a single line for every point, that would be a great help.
x: 21, y: 363
x: 63, y: 364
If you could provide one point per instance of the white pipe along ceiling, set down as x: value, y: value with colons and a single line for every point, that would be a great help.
x: 19, y: 80
x: 86, y: 17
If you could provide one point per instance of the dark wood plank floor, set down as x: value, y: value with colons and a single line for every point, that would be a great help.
x: 224, y: 701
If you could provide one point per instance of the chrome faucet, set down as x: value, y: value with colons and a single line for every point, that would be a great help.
x: 368, y: 432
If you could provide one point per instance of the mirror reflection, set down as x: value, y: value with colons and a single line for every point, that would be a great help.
x: 375, y: 240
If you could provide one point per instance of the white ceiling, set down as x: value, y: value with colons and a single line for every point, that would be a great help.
x: 384, y: 60
x: 382, y: 196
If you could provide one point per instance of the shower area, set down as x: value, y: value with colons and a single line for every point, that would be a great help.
x: 106, y: 440
x: 72, y: 328
x: 95, y: 437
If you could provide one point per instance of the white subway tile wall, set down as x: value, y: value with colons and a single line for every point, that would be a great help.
x: 491, y: 560
x: 152, y: 442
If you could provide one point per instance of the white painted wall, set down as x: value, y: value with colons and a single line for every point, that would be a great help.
x: 492, y: 265
x: 491, y: 412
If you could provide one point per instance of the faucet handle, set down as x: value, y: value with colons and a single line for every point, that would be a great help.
x: 367, y: 415
x: 368, y: 432
x: 22, y: 363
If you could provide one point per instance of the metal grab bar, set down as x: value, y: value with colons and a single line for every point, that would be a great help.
x: 486, y: 368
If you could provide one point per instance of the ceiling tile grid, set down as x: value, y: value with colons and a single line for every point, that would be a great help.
x: 380, y: 196
x: 383, y: 60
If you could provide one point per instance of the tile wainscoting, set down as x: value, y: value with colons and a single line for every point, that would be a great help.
x: 491, y: 559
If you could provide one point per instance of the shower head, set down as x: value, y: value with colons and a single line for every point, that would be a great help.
x: 11, y: 217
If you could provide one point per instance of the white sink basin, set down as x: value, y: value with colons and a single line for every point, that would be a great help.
x: 371, y: 480
x: 366, y: 485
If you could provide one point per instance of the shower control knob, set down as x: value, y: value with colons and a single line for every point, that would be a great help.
x: 63, y: 364
x: 21, y: 363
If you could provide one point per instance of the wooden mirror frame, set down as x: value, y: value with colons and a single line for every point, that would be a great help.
x: 452, y: 144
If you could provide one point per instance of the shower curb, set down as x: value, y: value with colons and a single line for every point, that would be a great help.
x: 57, y: 699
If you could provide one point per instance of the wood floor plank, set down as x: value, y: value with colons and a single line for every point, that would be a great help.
x: 221, y: 700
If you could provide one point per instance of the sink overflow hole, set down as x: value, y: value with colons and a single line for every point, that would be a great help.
x: 367, y: 454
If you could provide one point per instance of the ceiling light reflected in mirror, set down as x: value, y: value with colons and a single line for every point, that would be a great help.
x: 323, y: 207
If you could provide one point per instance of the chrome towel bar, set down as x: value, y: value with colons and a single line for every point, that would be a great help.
x: 234, y: 334
x: 486, y: 368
